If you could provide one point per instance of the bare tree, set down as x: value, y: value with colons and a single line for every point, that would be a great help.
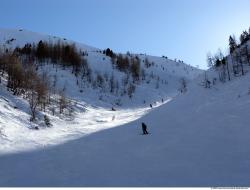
x: 62, y: 102
x: 239, y: 59
x: 131, y: 90
x: 33, y: 101
x: 225, y: 62
x: 112, y: 83
x: 245, y: 53
x: 210, y: 60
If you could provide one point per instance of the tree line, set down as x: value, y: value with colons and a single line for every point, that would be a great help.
x: 239, y: 56
x: 24, y: 79
x: 56, y: 53
x: 20, y: 68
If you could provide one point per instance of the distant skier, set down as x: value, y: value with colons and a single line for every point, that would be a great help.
x: 214, y: 81
x: 144, y: 128
x: 151, y: 106
x: 209, y: 84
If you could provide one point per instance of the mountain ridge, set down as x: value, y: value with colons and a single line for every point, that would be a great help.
x: 91, y: 104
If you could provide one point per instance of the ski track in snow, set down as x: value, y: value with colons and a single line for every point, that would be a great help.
x: 185, y: 147
x: 200, y: 138
x: 16, y: 136
x: 92, y: 114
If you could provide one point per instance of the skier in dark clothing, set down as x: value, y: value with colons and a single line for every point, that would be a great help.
x: 144, y: 129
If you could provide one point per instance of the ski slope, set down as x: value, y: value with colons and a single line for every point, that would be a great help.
x: 165, y: 73
x: 17, y: 133
x: 92, y: 107
x: 200, y: 138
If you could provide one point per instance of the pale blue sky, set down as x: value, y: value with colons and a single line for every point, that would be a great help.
x: 183, y: 29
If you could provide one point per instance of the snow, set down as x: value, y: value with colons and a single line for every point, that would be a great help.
x: 16, y: 134
x: 92, y: 106
x: 167, y: 70
x: 18, y: 38
x: 199, y: 138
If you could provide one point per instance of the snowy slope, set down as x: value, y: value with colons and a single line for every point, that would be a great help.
x: 10, y: 38
x: 197, y: 139
x: 17, y: 132
x: 92, y: 107
x: 168, y: 71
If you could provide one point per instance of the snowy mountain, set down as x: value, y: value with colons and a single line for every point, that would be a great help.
x: 91, y: 104
x: 199, y: 133
x: 11, y: 38
x: 162, y: 76
x: 198, y: 139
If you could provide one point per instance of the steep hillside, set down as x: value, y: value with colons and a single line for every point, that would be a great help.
x: 198, y: 135
x: 161, y: 76
x: 199, y: 138
x: 90, y: 101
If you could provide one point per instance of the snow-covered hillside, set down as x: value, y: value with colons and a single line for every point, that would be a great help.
x: 200, y: 138
x: 197, y: 138
x: 162, y: 78
x: 92, y: 106
x: 10, y: 38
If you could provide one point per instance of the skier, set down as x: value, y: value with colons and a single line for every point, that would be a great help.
x: 144, y: 128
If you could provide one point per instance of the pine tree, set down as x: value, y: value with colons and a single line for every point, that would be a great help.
x: 232, y: 44
x: 244, y: 37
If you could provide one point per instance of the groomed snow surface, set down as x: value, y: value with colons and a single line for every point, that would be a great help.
x: 200, y: 138
x: 92, y: 107
x: 197, y: 139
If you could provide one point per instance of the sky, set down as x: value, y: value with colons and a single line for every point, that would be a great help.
x: 182, y: 29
